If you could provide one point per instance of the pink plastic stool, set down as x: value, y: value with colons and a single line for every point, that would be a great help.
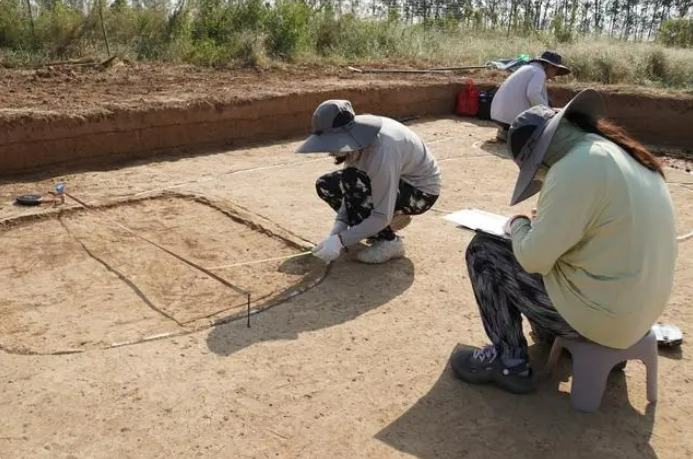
x: 592, y: 364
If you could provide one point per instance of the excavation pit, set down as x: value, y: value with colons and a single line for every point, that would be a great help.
x: 76, y: 278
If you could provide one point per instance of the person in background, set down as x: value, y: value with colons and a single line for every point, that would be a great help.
x: 388, y: 174
x: 524, y: 89
x: 598, y: 259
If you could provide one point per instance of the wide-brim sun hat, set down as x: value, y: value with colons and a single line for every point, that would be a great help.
x: 555, y: 59
x: 337, y: 129
x: 528, y: 146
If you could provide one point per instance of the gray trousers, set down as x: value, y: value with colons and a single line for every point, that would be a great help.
x: 505, y: 292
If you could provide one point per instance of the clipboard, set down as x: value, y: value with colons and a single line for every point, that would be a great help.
x: 480, y: 221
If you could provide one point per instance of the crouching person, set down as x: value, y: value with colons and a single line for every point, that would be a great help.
x: 387, y: 175
x: 524, y: 89
x: 598, y: 259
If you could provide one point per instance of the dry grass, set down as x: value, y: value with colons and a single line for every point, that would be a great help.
x: 248, y: 34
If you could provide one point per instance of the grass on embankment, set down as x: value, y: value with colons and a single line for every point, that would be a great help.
x: 252, y: 34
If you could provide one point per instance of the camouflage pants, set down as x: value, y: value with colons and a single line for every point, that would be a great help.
x: 352, y: 187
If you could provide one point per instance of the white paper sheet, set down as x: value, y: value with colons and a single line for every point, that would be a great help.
x: 479, y: 220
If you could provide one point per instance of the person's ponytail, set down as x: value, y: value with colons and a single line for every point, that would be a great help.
x: 617, y: 135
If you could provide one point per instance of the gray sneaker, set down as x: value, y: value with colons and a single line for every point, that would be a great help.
x: 481, y: 366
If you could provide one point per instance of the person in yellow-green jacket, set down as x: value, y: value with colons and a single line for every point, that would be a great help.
x: 597, y: 260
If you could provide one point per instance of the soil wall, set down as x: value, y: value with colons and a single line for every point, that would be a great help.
x: 31, y: 141
x: 654, y: 119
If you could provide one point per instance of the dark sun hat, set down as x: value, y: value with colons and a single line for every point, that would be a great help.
x: 553, y: 58
x: 337, y: 129
x: 532, y: 131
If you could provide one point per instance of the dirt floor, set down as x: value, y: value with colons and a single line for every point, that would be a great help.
x: 355, y: 366
x: 68, y: 264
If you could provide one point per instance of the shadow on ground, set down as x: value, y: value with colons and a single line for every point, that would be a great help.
x: 494, y: 148
x: 456, y: 420
x: 350, y: 290
x: 673, y: 353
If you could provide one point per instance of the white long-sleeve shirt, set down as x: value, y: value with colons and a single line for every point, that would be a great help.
x: 397, y: 153
x: 524, y: 89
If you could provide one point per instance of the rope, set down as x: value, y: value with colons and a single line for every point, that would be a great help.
x: 175, y: 255
x: 266, y: 260
x: 226, y: 174
x: 685, y: 237
x: 688, y: 235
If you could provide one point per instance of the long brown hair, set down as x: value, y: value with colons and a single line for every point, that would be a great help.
x: 618, y: 135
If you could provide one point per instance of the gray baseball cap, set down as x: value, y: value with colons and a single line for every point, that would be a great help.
x: 532, y: 131
x: 337, y: 129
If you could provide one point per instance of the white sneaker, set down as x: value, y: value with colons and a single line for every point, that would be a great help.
x: 382, y: 251
x: 399, y: 222
x: 501, y: 135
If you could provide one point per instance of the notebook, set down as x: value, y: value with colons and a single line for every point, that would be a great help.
x: 480, y: 221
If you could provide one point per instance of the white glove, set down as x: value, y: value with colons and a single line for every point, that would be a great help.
x: 329, y: 249
x: 338, y: 227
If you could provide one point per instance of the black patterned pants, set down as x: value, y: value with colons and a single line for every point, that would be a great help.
x: 504, y: 292
x: 353, y: 187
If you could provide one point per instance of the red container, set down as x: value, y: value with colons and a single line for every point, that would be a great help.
x: 468, y: 100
